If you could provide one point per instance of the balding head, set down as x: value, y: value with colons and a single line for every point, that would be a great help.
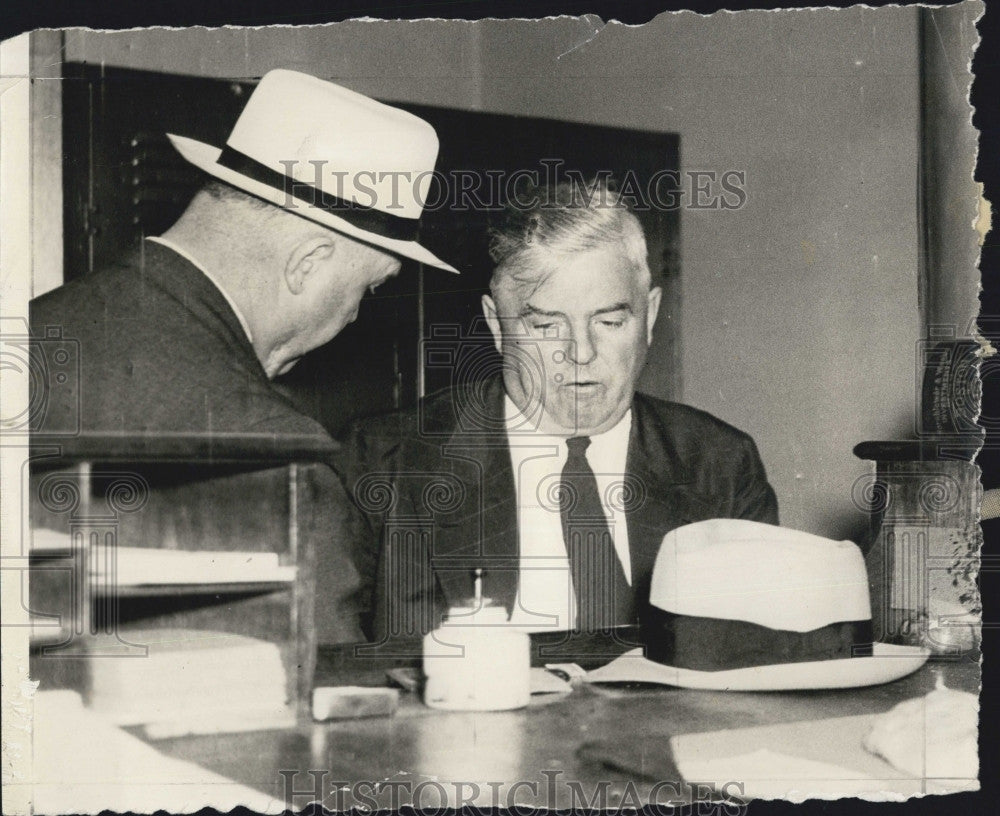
x: 296, y: 282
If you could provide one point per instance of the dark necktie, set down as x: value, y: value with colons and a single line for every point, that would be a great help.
x: 603, y: 596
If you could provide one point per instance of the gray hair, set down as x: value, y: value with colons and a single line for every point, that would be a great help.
x: 558, y: 220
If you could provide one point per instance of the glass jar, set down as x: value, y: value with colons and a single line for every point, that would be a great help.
x: 476, y: 661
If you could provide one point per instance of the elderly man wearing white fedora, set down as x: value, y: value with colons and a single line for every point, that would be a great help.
x: 312, y: 201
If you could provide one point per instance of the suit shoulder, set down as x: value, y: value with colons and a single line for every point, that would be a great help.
x: 113, y: 284
x: 723, y: 469
x: 680, y: 419
x: 412, y: 433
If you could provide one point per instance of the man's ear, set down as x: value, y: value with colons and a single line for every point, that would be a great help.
x: 305, y: 258
x: 493, y: 321
x: 652, y: 310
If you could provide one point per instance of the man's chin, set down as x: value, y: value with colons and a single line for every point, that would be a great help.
x: 583, y: 422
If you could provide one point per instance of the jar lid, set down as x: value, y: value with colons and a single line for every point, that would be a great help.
x: 487, y: 615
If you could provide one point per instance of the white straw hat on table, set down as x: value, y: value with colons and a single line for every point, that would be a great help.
x: 743, y: 606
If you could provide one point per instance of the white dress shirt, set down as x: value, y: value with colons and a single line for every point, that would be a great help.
x: 545, y: 598
x: 195, y: 262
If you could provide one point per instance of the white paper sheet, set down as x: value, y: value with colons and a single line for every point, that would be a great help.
x: 85, y: 765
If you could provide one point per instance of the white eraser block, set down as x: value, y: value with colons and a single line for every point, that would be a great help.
x: 353, y: 702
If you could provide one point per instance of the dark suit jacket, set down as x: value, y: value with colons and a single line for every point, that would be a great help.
x: 436, y: 487
x: 160, y: 349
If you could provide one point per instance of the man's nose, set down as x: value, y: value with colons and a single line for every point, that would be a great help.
x: 581, y: 349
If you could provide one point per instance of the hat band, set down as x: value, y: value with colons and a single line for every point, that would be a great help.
x: 713, y: 644
x: 366, y: 218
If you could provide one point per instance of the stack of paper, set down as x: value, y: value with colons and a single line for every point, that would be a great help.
x: 138, y: 566
x: 188, y: 677
x: 48, y: 542
x: 154, y: 566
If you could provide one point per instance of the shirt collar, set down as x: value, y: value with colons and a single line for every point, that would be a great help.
x: 608, y: 443
x: 613, y: 443
x: 198, y: 264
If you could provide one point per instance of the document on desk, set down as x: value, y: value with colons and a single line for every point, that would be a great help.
x: 824, y: 759
x: 83, y: 764
x: 192, y: 682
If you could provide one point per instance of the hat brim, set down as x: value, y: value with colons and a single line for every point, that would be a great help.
x: 205, y: 157
x: 886, y: 663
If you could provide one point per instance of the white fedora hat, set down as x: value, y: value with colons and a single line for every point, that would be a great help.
x: 330, y: 155
x: 743, y: 606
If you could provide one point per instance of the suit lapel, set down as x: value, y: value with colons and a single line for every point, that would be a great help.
x: 484, y: 532
x: 659, y: 491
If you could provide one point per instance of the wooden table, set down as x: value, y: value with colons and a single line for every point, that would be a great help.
x: 595, y: 738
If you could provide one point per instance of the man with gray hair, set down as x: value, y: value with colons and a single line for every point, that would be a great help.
x: 554, y: 477
x: 269, y: 261
x: 181, y: 339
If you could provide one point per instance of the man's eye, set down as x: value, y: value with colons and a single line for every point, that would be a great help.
x: 613, y: 324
